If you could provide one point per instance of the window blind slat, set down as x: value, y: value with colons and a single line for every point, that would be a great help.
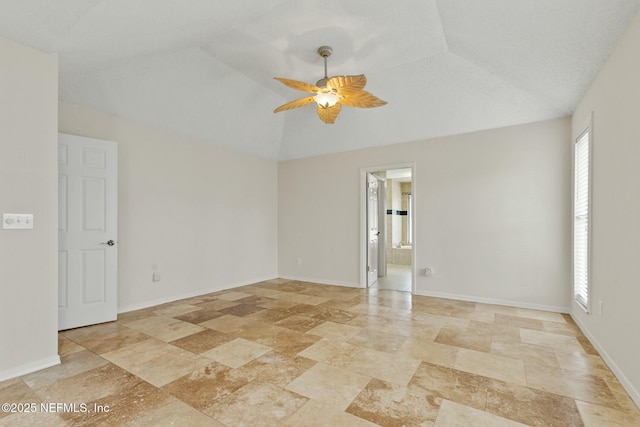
x: 581, y: 222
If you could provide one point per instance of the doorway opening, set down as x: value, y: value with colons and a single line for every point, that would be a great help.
x: 388, y: 241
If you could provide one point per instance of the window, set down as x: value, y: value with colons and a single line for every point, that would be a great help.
x: 581, y: 198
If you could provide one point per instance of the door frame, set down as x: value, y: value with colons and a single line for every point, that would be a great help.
x: 379, y: 184
x: 363, y: 218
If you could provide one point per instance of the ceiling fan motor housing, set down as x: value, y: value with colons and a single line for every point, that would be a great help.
x: 325, y: 51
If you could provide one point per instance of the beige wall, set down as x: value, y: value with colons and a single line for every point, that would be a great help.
x: 614, y: 99
x: 492, y: 214
x: 28, y: 184
x: 203, y: 216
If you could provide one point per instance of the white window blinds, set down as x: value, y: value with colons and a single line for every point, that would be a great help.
x: 581, y: 221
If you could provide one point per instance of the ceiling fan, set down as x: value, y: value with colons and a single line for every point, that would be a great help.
x: 331, y: 93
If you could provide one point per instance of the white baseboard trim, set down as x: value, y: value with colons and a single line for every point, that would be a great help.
x: 322, y: 281
x: 631, y: 390
x: 177, y: 297
x: 518, y: 304
x: 28, y: 368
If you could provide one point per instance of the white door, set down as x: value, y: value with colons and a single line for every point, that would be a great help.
x: 87, y: 231
x: 372, y: 230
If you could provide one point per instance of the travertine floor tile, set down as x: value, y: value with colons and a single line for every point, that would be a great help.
x: 582, y: 362
x: 329, y: 384
x: 389, y: 404
x: 315, y: 414
x: 472, y: 340
x: 393, y: 368
x: 334, y: 353
x: 123, y: 407
x: 516, y: 349
x: 207, y: 385
x: 301, y: 299
x: 286, y: 352
x: 241, y: 310
x: 15, y: 391
x: 202, y: 341
x: 288, y: 342
x: 156, y: 362
x: 175, y: 309
x: 540, y: 315
x: 237, y: 352
x: 334, y: 315
x: 432, y: 352
x: 299, y: 323
x: 453, y: 414
x: 257, y: 329
x: 216, y: 304
x: 232, y: 296
x: 532, y: 407
x: 549, y: 339
x: 66, y: 346
x: 497, y: 309
x: 335, y: 331
x: 277, y: 303
x: 199, y: 316
x: 174, y: 413
x: 601, y: 416
x: 276, y: 368
x: 90, y: 385
x: 458, y: 386
x: 494, y: 330
x: 105, y: 337
x: 226, y: 323
x: 269, y: 316
x: 519, y: 322
x: 164, y: 328
x: 378, y: 340
x: 36, y: 419
x: 72, y: 364
x: 256, y: 404
x: 491, y: 365
x: 588, y: 388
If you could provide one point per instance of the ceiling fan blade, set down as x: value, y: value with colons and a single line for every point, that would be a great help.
x: 295, y: 104
x: 361, y: 99
x: 329, y: 114
x: 298, y: 85
x: 347, y: 83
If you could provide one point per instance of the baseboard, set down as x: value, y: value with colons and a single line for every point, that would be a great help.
x: 177, y: 297
x: 518, y: 304
x: 322, y: 281
x: 28, y: 368
x: 631, y: 390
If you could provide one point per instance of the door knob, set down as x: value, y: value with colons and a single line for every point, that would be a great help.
x: 109, y: 242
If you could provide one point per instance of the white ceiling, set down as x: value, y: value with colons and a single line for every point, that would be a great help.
x: 205, y: 68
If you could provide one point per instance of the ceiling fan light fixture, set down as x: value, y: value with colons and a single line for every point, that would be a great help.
x: 326, y: 98
x: 331, y: 93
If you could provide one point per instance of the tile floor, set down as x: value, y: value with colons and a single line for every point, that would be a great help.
x: 398, y: 278
x: 287, y: 353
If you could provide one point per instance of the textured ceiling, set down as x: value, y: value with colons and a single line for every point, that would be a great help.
x: 205, y: 68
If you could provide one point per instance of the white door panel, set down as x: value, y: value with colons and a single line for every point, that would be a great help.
x: 372, y: 229
x: 87, y: 204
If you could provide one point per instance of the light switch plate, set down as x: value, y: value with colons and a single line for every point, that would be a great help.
x: 11, y: 221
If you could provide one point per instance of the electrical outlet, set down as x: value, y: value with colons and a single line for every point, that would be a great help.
x: 156, y: 276
x: 428, y: 271
x: 299, y: 261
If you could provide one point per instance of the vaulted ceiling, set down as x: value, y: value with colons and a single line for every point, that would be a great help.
x: 205, y: 68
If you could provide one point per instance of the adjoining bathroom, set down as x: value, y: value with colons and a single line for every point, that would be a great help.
x: 397, y: 250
